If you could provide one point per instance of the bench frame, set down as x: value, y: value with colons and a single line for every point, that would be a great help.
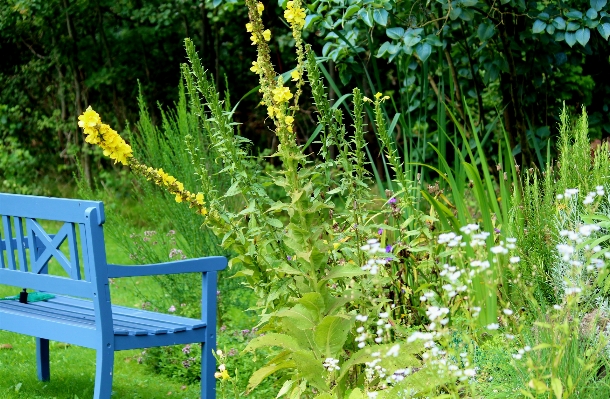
x: 29, y: 269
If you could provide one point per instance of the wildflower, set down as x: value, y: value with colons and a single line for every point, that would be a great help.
x: 361, y: 318
x: 219, y: 353
x: 249, y: 27
x: 224, y: 374
x: 493, y: 326
x: 514, y: 259
x: 378, y: 95
x: 267, y: 35
x: 289, y: 120
x: 508, y: 312
x: 281, y: 94
x: 392, y: 200
x: 260, y: 7
x: 295, y: 75
x: 294, y: 16
x: 255, y: 67
x: 186, y: 350
x: 171, y: 309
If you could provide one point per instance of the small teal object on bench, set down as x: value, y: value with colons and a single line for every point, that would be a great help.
x: 77, y: 307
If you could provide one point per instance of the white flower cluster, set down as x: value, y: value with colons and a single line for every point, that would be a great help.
x: 331, y: 364
x: 382, y: 325
x: 451, y: 239
x: 373, y: 247
x: 521, y: 352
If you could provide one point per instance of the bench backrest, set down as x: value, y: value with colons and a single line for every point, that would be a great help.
x: 26, y: 247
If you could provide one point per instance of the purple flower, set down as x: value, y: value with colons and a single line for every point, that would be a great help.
x: 497, y: 230
x: 232, y: 352
x: 186, y: 364
x: 380, y: 231
x: 186, y: 350
x: 289, y: 257
x: 223, y: 328
x: 388, y: 249
x: 244, y: 332
x: 392, y: 200
x: 171, y: 309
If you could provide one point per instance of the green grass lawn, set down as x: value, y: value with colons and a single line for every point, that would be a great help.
x: 73, y: 367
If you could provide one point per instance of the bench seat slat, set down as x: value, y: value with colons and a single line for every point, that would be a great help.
x: 80, y: 312
x: 136, y: 313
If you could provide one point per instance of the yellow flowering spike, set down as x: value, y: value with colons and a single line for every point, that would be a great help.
x: 96, y: 132
x: 295, y: 75
x: 289, y: 120
x: 281, y: 94
x: 267, y: 35
x: 199, y: 198
x: 260, y: 7
x: 294, y: 16
x: 249, y: 27
x: 178, y: 198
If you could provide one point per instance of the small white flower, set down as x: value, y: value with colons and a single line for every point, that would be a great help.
x: 514, y: 259
x: 493, y: 326
x: 508, y: 312
x: 556, y: 307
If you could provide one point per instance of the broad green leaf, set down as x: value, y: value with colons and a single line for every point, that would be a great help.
x: 604, y: 30
x: 311, y: 369
x: 550, y: 29
x: 300, y: 316
x: 559, y: 23
x: 383, y: 49
x: 325, y: 395
x: 274, y: 339
x: 572, y: 26
x: 411, y: 39
x: 356, y: 394
x: 538, y: 385
x: 539, y: 26
x: 331, y: 333
x: 367, y: 16
x: 311, y: 19
x: 467, y: 14
x: 543, y: 16
x: 582, y: 36
x: 285, y: 388
x: 275, y: 223
x: 574, y: 14
x: 557, y: 388
x: 455, y: 13
x: 423, y: 51
x: 314, y: 302
x: 591, y: 13
x: 259, y: 375
x: 395, y: 33
x: 469, y: 3
x: 381, y: 16
x: 346, y: 270
x: 351, y: 10
x: 559, y: 36
x: 598, y: 4
x: 570, y: 38
x: 485, y: 31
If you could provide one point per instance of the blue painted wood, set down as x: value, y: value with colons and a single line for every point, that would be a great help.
x: 42, y: 359
x: 94, y: 322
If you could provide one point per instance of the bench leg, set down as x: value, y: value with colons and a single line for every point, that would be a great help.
x: 42, y: 359
x: 208, y: 368
x: 103, y: 374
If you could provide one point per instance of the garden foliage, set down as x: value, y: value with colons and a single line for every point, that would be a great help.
x: 375, y: 294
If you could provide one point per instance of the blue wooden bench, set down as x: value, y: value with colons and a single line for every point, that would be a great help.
x: 81, y: 312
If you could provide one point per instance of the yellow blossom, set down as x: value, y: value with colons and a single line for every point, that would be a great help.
x: 294, y: 16
x: 260, y: 7
x: 249, y: 27
x: 255, y: 68
x: 224, y: 374
x: 178, y: 198
x: 295, y: 75
x: 378, y: 95
x: 89, y: 119
x: 199, y: 198
x: 272, y: 111
x: 254, y: 39
x: 267, y: 35
x: 289, y: 120
x: 281, y: 94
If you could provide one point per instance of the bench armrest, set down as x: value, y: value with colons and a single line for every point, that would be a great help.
x: 197, y: 265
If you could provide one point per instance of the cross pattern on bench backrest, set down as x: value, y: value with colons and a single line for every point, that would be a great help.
x: 47, y: 246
